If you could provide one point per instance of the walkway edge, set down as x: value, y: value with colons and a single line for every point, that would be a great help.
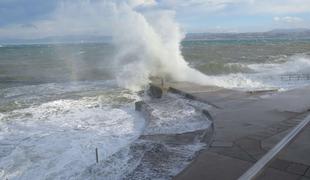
x: 259, y: 166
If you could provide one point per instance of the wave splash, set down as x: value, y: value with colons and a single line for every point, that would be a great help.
x: 57, y: 139
x: 268, y: 75
x: 149, y: 45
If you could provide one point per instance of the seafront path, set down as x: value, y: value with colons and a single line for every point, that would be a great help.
x: 247, y: 125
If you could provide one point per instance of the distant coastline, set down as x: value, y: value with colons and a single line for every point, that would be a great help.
x: 273, y: 34
x: 284, y: 34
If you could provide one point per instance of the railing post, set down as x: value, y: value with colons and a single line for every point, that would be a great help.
x: 97, y: 158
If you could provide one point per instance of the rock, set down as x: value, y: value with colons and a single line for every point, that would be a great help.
x: 138, y: 105
x: 155, y: 91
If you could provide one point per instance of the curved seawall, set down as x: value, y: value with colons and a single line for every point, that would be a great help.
x: 176, y: 130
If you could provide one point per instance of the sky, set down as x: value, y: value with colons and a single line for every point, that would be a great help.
x: 30, y: 19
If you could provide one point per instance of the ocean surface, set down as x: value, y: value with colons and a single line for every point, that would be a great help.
x: 252, y: 64
x: 59, y: 102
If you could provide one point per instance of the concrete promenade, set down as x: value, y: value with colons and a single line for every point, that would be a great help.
x: 247, y: 125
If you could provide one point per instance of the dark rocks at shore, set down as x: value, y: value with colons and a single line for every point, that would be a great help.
x: 155, y: 91
x: 164, y: 155
x: 157, y: 154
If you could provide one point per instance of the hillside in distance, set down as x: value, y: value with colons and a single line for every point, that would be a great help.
x: 273, y: 34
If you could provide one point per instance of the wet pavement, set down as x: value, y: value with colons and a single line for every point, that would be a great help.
x: 247, y: 125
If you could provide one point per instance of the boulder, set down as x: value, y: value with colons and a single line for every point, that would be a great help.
x: 155, y: 91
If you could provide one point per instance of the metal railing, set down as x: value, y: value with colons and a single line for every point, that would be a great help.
x: 295, y: 77
x: 261, y: 164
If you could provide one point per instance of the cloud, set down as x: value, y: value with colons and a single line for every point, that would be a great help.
x: 68, y: 18
x: 199, y: 5
x: 135, y: 3
x: 39, y: 18
x: 280, y: 7
x: 290, y: 22
x: 288, y: 19
x: 74, y: 18
x: 24, y: 11
x: 245, y: 6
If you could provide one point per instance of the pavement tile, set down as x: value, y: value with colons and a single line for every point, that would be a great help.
x: 280, y: 128
x: 280, y: 164
x: 259, y: 155
x: 273, y: 174
x: 265, y: 134
x: 302, y: 116
x: 234, y: 152
x: 297, y: 168
x: 304, y: 178
x: 283, y: 126
x: 251, y: 146
x: 262, y: 120
x: 211, y: 166
x: 290, y: 123
x: 221, y: 144
x: 257, y: 136
x: 308, y: 173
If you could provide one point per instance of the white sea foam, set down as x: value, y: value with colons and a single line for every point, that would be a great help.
x: 122, y: 165
x: 176, y: 115
x: 147, y: 41
x: 54, y: 88
x: 57, y: 139
x: 169, y: 116
x: 294, y: 64
x: 147, y: 38
x: 264, y: 75
x: 148, y: 44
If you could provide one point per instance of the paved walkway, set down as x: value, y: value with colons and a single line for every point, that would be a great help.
x: 247, y: 125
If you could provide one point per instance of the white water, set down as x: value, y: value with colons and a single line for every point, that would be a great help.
x: 57, y: 139
x: 149, y: 45
x: 147, y: 41
x: 176, y: 115
x: 147, y: 38
x: 54, y: 134
x: 169, y: 116
x: 294, y: 64
x: 265, y: 75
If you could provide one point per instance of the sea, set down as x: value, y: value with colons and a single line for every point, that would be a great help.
x: 59, y: 102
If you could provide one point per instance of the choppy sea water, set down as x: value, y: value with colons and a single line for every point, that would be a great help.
x: 51, y: 131
x: 252, y: 64
x: 60, y: 102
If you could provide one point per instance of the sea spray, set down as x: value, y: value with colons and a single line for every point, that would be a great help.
x: 273, y: 75
x: 146, y: 38
x: 148, y: 44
